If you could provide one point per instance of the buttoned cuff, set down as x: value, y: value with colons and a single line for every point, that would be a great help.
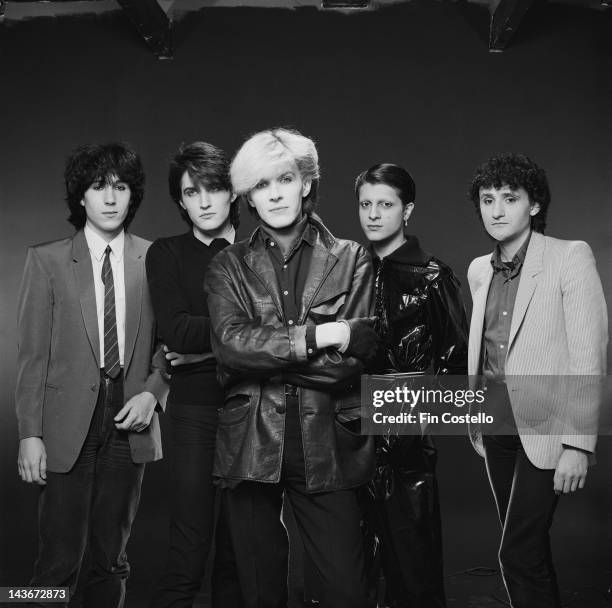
x: 297, y: 342
x: 311, y: 340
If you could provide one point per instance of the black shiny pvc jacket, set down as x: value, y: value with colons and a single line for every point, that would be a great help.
x: 423, y: 326
x: 421, y: 316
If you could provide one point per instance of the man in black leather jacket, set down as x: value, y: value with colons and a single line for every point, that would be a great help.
x: 422, y: 322
x: 285, y: 308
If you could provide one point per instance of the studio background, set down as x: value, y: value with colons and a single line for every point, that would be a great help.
x: 412, y: 84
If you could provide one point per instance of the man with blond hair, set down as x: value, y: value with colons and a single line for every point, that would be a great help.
x: 288, y: 312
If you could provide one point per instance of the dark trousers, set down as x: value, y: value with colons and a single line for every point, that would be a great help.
x: 92, y: 506
x: 328, y: 524
x: 526, y: 504
x: 403, y: 532
x: 194, y: 429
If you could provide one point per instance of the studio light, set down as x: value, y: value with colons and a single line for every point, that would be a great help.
x: 345, y: 4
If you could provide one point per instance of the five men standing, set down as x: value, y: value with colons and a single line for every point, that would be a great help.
x: 290, y: 320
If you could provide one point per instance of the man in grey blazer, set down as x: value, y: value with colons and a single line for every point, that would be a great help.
x: 86, y: 389
x: 538, y: 310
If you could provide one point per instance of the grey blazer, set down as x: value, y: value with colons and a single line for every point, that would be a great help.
x: 58, y: 362
x: 559, y: 332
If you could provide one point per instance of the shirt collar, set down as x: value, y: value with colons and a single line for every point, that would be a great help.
x: 408, y: 253
x: 515, y: 265
x: 229, y: 236
x: 97, y: 245
x: 308, y: 234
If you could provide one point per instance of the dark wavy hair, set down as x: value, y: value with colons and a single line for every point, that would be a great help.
x: 515, y: 171
x: 208, y: 167
x: 99, y: 162
x: 391, y: 175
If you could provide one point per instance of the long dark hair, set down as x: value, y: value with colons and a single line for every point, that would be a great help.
x: 99, y: 162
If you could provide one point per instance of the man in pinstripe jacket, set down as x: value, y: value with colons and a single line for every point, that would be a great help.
x: 88, y: 383
x: 538, y: 310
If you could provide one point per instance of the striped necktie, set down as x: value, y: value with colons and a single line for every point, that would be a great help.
x: 111, y: 345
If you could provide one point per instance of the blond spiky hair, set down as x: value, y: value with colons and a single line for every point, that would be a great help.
x: 264, y: 150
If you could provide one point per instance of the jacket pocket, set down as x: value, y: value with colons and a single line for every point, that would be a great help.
x: 352, y: 427
x: 328, y: 309
x: 348, y: 415
x: 235, y: 410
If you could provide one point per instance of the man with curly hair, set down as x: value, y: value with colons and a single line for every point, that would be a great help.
x: 87, y: 392
x: 538, y: 337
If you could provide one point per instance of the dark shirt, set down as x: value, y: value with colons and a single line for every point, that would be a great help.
x: 291, y: 273
x: 498, y: 312
x: 176, y: 267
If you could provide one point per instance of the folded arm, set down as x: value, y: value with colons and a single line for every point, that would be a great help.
x: 181, y: 331
x: 246, y: 345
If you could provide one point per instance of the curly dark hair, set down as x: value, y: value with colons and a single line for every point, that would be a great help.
x: 515, y: 171
x: 99, y: 162
x: 208, y: 167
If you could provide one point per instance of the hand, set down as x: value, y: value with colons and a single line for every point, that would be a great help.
x: 136, y: 414
x: 364, y: 342
x: 183, y: 359
x: 571, y: 471
x: 333, y: 334
x: 32, y: 460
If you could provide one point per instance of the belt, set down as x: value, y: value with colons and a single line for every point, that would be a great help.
x: 291, y: 390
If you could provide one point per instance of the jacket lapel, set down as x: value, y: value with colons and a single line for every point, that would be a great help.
x: 527, y: 283
x: 321, y: 264
x: 83, y: 274
x: 134, y: 275
x: 258, y: 260
x: 479, y: 304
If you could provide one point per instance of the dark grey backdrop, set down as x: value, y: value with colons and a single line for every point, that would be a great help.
x: 411, y: 84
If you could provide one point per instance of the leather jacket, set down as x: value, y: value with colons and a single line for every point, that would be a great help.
x: 260, y: 356
x: 421, y: 317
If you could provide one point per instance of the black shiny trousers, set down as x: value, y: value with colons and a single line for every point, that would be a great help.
x: 402, y: 524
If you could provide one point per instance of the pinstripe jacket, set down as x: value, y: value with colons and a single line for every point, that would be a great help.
x: 58, y: 364
x: 559, y: 332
